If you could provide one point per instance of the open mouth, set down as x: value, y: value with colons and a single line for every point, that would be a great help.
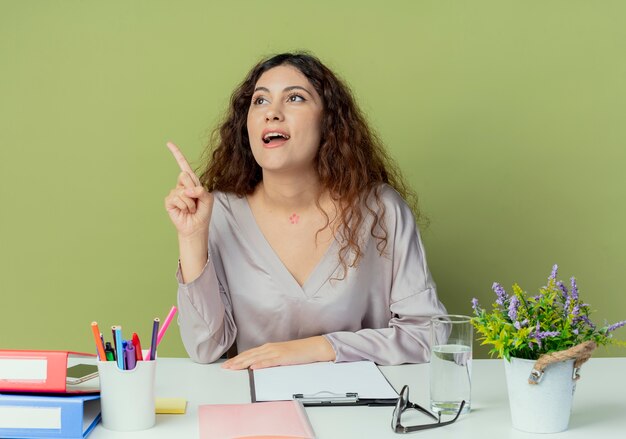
x: 275, y: 138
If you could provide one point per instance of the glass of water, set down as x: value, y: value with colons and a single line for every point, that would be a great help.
x: 451, y: 363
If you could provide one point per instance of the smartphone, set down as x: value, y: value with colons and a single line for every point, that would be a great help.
x: 80, y: 373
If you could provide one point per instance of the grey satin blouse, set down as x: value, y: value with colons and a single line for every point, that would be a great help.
x: 380, y: 311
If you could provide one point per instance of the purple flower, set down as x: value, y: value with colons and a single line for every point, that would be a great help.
x: 540, y: 335
x: 574, y: 288
x: 575, y: 331
x: 475, y: 305
x: 546, y: 334
x: 555, y: 269
x: 499, y: 290
x: 576, y: 310
x: 520, y: 325
x: 614, y: 326
x: 563, y: 288
x: 588, y: 322
x: 513, y: 308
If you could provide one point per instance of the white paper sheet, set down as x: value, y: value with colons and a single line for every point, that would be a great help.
x: 361, y: 377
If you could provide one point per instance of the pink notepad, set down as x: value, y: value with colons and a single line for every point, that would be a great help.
x: 276, y: 419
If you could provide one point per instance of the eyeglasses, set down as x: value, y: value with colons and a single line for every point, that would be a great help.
x: 403, y: 404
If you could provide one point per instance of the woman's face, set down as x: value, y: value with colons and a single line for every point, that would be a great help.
x: 284, y: 121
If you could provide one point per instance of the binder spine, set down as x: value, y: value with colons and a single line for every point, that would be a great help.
x: 69, y: 416
x: 54, y: 379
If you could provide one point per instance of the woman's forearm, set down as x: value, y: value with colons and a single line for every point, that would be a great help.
x: 193, y: 251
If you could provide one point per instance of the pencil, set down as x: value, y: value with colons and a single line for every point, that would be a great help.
x: 96, y: 335
x: 166, y: 324
x: 119, y: 348
x: 155, y: 331
x: 114, y: 340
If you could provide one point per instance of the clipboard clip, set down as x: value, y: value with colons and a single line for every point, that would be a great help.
x: 326, y: 397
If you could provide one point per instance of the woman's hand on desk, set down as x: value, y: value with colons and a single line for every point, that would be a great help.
x: 305, y: 350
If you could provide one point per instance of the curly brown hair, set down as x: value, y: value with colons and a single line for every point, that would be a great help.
x: 351, y: 161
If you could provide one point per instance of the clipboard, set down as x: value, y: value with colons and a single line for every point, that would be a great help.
x: 323, y: 384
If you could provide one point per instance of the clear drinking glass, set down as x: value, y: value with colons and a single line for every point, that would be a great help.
x: 451, y: 363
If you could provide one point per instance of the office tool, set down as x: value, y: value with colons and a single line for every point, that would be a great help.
x: 166, y: 324
x: 128, y: 396
x: 270, y: 419
x: 98, y: 338
x: 170, y: 406
x: 131, y: 360
x: 324, y: 383
x: 137, y: 344
x: 119, y: 347
x: 155, y: 329
x: 37, y: 416
x: 42, y: 371
x: 164, y: 327
x: 114, y: 342
x: 110, y: 353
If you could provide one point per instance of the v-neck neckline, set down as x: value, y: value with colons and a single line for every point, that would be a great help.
x: 322, y: 271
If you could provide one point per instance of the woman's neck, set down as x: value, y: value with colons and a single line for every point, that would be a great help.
x: 289, y: 193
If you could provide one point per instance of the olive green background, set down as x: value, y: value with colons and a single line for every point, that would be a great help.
x: 506, y: 117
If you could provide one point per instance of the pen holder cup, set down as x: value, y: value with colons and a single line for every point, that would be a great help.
x: 127, y: 396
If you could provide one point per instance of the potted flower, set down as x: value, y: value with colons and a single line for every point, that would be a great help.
x: 544, y: 340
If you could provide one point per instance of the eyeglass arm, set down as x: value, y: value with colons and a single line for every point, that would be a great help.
x: 412, y: 428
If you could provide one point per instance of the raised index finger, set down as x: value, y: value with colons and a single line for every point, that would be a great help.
x: 182, y: 161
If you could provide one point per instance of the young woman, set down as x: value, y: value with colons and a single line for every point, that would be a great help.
x: 296, y: 244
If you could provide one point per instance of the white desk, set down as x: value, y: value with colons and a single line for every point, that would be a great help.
x: 599, y: 410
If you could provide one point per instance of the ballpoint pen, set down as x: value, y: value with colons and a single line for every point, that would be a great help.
x: 124, y: 344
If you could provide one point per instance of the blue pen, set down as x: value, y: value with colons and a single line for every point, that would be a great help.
x: 119, y: 350
x: 155, y: 331
x: 124, y: 344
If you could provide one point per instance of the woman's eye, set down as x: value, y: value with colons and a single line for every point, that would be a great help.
x: 295, y: 98
x: 258, y: 100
